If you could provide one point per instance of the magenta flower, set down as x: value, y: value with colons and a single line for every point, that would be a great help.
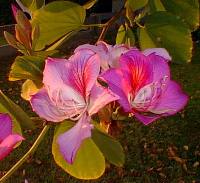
x: 109, y: 55
x: 71, y: 92
x: 143, y: 83
x: 8, y: 139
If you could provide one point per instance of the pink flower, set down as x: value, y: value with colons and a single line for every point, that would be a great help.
x: 143, y: 83
x: 71, y: 91
x: 109, y: 55
x: 8, y: 139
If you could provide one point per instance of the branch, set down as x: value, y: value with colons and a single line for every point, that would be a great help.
x: 109, y: 23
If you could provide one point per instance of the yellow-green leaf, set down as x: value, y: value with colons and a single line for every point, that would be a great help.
x: 18, y: 115
x: 89, y: 162
x: 56, y: 20
x: 111, y: 148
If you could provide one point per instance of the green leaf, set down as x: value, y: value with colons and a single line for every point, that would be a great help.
x: 59, y: 43
x: 136, y: 4
x: 89, y: 4
x: 145, y: 40
x: 18, y: 115
x: 89, y: 162
x: 29, y: 88
x: 27, y: 67
x: 155, y: 5
x: 188, y: 10
x: 56, y: 20
x: 167, y: 31
x: 125, y: 35
x: 33, y: 5
x: 111, y: 148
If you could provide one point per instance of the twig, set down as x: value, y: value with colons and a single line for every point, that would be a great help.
x: 109, y: 23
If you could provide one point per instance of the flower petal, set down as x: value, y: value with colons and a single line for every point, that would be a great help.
x: 159, y: 52
x: 172, y: 100
x: 83, y: 71
x: 161, y: 70
x: 5, y: 126
x: 117, y: 84
x: 7, y: 145
x: 114, y: 54
x: 70, y: 141
x: 45, y: 108
x: 101, y: 49
x: 147, y: 119
x: 62, y: 92
x: 100, y: 97
x: 136, y: 68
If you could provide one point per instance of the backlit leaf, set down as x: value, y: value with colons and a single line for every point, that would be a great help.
x: 56, y: 20
x: 89, y: 162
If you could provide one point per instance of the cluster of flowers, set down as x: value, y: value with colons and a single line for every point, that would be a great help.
x: 138, y: 81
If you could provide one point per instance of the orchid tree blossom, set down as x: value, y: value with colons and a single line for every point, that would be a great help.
x: 8, y: 139
x: 143, y: 83
x: 109, y: 55
x: 71, y: 91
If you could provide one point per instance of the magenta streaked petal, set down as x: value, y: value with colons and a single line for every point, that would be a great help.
x: 60, y: 89
x: 53, y: 73
x: 100, y: 97
x: 161, y: 70
x: 136, y: 68
x: 147, y: 119
x: 83, y: 71
x: 146, y: 97
x: 117, y: 84
x: 172, y: 100
x: 7, y: 145
x: 159, y: 52
x: 114, y: 54
x: 70, y: 141
x: 104, y: 46
x: 45, y: 108
x: 5, y: 126
x: 101, y: 50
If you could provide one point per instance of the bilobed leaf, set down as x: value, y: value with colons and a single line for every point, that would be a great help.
x: 188, y: 10
x: 145, y: 40
x: 111, y: 148
x: 125, y: 36
x: 56, y: 20
x: 18, y: 115
x: 27, y: 67
x: 58, y: 43
x: 167, y: 31
x: 89, y: 4
x: 89, y: 162
x: 136, y: 4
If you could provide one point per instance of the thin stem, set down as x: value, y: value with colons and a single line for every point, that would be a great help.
x: 27, y: 155
x: 109, y: 23
x: 94, y: 25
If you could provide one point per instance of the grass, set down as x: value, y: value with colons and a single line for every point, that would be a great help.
x: 148, y: 149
